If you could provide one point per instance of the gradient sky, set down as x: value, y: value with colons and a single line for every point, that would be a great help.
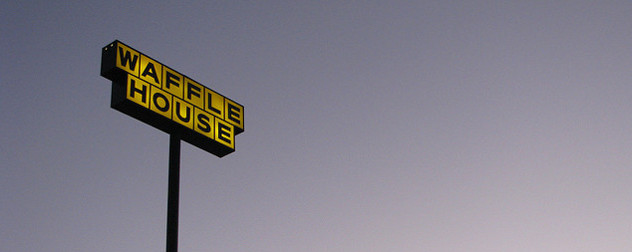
x: 369, y: 126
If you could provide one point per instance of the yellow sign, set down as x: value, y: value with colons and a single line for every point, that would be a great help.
x: 170, y: 101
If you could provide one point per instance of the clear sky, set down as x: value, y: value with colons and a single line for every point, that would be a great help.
x: 369, y: 126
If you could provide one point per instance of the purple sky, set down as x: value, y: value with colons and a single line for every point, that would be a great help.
x: 369, y: 126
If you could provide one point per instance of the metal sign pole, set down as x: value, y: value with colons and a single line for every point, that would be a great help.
x: 174, y: 193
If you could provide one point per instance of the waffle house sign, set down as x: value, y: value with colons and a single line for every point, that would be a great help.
x: 156, y: 94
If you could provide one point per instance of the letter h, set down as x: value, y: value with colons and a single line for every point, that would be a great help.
x: 142, y: 91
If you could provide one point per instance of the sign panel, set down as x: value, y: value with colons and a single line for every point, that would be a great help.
x: 156, y: 94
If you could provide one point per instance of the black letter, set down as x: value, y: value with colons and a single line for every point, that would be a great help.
x: 190, y: 88
x: 159, y: 95
x: 208, y: 104
x: 149, y: 70
x: 188, y: 116
x: 133, y: 89
x: 126, y: 58
x: 222, y: 132
x: 203, y: 121
x: 168, y: 81
x: 231, y: 113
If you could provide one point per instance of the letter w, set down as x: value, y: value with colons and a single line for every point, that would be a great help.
x: 126, y: 57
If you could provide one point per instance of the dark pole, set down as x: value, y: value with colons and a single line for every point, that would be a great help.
x: 174, y: 193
